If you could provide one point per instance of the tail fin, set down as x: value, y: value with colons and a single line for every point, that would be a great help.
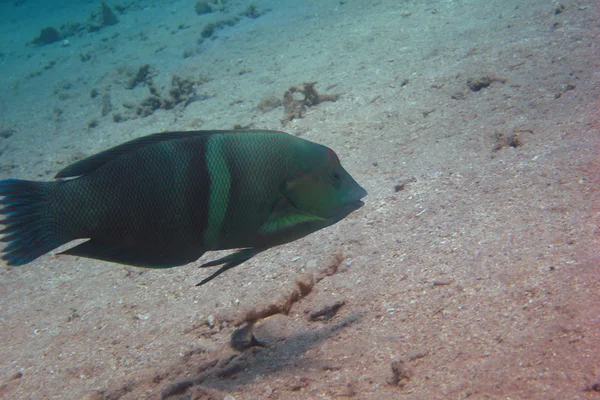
x: 29, y: 229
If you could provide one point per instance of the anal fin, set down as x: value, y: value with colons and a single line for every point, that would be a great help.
x: 137, y: 255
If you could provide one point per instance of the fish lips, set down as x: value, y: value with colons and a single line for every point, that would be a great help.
x: 358, y: 203
x: 351, y: 206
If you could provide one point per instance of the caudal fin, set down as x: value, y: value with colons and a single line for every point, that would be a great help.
x: 28, y: 226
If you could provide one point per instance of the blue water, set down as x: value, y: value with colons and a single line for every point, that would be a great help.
x: 470, y: 260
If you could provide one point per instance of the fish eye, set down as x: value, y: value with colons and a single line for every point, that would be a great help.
x: 336, y: 176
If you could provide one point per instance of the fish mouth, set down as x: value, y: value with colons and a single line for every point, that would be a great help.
x: 362, y: 193
x: 351, y: 206
x: 356, y: 204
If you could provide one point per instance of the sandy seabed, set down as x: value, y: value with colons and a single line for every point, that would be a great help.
x: 473, y: 270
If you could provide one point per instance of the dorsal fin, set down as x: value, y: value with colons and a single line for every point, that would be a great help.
x: 92, y: 163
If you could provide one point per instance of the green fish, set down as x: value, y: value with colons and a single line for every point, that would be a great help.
x: 163, y: 200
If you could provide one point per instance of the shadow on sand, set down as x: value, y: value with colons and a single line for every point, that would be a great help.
x: 234, y: 370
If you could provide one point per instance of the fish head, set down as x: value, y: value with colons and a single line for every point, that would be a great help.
x: 322, y: 187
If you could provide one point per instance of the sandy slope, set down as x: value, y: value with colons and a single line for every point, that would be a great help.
x: 472, y: 271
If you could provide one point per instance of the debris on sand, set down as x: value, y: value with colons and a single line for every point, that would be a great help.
x: 482, y: 82
x: 252, y: 12
x: 511, y: 139
x: 182, y: 91
x: 282, y: 303
x: 296, y: 108
x: 268, y: 103
x: 401, y: 184
x: 108, y: 16
x: 47, y: 35
x: 327, y: 312
x: 202, y: 7
x: 144, y: 74
x: 188, y: 379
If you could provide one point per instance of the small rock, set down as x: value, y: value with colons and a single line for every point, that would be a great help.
x: 476, y: 84
x: 16, y: 375
x: 442, y: 282
x: 210, y: 321
x: 400, y: 373
x: 243, y: 338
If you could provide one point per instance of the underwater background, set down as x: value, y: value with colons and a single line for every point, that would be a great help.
x: 473, y: 270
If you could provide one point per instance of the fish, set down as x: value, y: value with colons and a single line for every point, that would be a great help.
x: 164, y: 200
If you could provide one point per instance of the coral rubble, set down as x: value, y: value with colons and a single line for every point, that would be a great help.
x: 296, y: 108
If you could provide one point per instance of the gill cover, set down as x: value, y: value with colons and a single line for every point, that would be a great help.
x: 322, y: 186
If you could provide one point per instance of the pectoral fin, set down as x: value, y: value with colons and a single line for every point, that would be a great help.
x: 285, y: 224
x: 285, y: 217
x: 230, y: 261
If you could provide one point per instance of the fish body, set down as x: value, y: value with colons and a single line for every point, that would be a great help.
x: 163, y: 200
